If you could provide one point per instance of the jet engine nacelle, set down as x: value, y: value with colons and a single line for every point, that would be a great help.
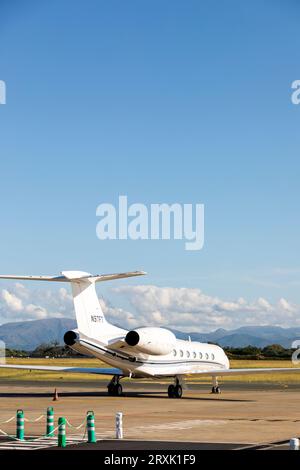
x: 70, y: 338
x: 154, y: 341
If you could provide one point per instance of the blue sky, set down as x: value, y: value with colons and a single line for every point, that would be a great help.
x: 185, y: 102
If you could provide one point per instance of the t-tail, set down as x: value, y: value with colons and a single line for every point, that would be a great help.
x: 90, y: 318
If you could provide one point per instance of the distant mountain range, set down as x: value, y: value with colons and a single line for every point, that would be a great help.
x: 259, y: 336
x: 28, y: 335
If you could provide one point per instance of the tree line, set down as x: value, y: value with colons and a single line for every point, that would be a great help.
x: 273, y: 351
x: 56, y: 350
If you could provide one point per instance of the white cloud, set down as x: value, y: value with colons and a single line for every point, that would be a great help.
x: 12, y: 302
x: 118, y: 315
x: 264, y: 304
x: 21, y: 290
x: 18, y: 303
x: 287, y: 307
x: 184, y: 309
x: 191, y: 310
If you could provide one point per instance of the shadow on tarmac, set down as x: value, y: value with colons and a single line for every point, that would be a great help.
x: 144, y: 394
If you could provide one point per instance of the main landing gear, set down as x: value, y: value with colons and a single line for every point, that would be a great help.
x: 175, y: 391
x: 114, y: 387
x: 215, y: 388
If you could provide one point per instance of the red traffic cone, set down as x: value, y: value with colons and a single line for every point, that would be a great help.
x: 55, y: 395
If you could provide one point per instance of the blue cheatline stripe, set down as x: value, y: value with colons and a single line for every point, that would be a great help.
x: 153, y: 363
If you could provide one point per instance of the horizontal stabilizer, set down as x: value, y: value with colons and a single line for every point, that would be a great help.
x: 73, y: 276
x: 89, y: 314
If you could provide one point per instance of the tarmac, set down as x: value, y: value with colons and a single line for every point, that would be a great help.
x: 243, y: 416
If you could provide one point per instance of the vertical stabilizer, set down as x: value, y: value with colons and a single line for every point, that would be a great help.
x: 89, y: 315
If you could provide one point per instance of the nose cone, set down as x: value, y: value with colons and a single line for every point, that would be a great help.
x: 227, y: 362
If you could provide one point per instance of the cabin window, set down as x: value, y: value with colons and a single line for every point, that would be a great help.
x: 194, y: 355
x: 200, y: 355
x: 206, y: 356
x: 188, y: 353
x: 174, y: 352
x: 181, y: 353
x: 213, y: 357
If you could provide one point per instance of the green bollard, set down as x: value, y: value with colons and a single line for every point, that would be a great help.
x: 62, y: 432
x: 20, y: 425
x: 50, y: 422
x: 90, y: 424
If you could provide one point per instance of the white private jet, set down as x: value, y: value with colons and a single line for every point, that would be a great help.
x: 143, y: 352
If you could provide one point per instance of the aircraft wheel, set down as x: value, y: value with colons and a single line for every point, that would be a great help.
x: 178, y: 391
x: 218, y: 390
x: 118, y: 390
x: 171, y: 391
x: 115, y: 390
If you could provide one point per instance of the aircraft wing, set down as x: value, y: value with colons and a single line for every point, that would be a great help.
x: 77, y: 370
x: 252, y: 371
